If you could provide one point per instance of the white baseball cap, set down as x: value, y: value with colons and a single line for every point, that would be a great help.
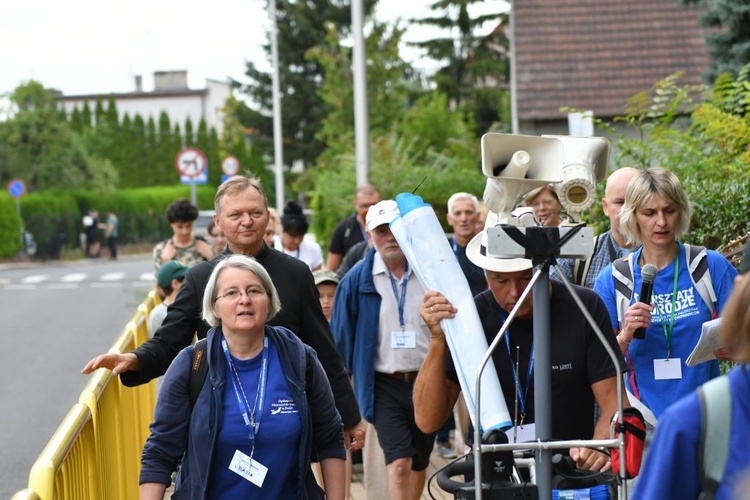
x: 381, y: 213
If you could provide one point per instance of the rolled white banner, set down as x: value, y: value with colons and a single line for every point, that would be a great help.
x: 431, y: 257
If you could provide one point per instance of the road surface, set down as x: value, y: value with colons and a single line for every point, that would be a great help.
x: 55, y: 317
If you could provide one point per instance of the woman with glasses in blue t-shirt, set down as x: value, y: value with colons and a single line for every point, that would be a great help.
x: 264, y: 410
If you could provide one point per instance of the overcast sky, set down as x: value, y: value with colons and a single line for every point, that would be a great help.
x: 95, y: 46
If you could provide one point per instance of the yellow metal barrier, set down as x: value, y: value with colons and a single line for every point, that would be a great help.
x: 95, y: 453
x: 64, y: 468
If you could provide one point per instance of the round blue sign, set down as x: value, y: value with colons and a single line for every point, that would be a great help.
x: 16, y: 188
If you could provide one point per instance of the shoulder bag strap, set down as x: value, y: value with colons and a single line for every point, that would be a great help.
x: 198, y: 369
x: 716, y: 421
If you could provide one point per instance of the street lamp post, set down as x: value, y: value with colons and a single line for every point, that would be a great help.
x: 361, y: 117
x: 278, y: 151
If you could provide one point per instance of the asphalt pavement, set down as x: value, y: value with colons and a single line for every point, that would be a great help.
x: 56, y: 316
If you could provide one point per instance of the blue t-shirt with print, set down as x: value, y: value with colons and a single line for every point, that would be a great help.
x: 277, y: 439
x: 690, y: 312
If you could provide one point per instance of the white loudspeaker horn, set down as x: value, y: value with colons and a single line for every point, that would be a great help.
x: 585, y: 162
x: 516, y: 164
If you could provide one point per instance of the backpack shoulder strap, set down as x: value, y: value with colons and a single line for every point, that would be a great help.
x: 715, y: 400
x: 697, y: 259
x: 582, y: 266
x: 308, y: 371
x: 622, y: 273
x: 198, y: 369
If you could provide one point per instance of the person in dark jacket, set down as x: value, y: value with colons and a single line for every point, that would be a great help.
x: 241, y: 210
x: 256, y: 374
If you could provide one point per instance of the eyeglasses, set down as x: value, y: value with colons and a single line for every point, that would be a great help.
x: 233, y: 295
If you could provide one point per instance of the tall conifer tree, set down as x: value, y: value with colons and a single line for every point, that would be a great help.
x: 301, y: 26
x: 727, y: 36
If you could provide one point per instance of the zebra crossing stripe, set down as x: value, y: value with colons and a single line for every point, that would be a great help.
x: 33, y: 279
x: 73, y: 278
x: 112, y: 276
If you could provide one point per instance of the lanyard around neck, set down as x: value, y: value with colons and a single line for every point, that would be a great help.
x: 249, y: 415
x: 402, y: 299
x: 668, y: 330
x: 521, y: 390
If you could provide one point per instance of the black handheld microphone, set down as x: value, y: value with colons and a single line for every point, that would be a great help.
x: 648, y: 273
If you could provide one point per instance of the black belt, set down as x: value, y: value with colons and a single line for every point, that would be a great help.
x: 408, y: 377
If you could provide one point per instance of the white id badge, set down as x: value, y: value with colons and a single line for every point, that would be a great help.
x: 403, y: 339
x: 248, y: 469
x: 524, y: 433
x: 667, y: 369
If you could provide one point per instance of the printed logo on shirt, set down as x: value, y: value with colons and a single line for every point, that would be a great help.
x: 562, y: 368
x: 284, y: 407
x: 684, y: 305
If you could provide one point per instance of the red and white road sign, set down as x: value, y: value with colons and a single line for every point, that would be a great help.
x: 230, y: 166
x: 191, y: 162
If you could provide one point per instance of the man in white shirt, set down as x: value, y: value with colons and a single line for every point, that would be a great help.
x: 383, y: 341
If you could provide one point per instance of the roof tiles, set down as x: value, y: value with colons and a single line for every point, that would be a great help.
x: 595, y: 54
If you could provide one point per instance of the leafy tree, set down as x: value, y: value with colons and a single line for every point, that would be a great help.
x: 75, y: 120
x: 426, y: 142
x: 387, y: 89
x: 475, y: 70
x: 449, y: 139
x: 235, y: 141
x: 208, y: 142
x: 42, y: 149
x: 301, y: 26
x: 415, y: 137
x: 727, y: 35
x: 130, y: 145
x: 398, y: 165
x: 99, y: 113
x: 151, y: 149
x: 175, y: 142
x: 165, y: 151
x: 189, y: 139
x: 86, y: 115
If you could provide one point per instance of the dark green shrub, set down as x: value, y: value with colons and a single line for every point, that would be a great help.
x: 719, y: 211
x: 10, y: 227
x: 55, y: 219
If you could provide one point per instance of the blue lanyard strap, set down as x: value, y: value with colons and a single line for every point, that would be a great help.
x: 402, y: 299
x: 249, y: 415
x: 521, y: 390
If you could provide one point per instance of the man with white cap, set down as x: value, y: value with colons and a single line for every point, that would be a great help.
x: 582, y: 372
x: 383, y: 341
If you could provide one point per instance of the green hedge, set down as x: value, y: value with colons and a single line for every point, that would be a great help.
x: 55, y: 218
x: 142, y: 211
x: 10, y: 227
